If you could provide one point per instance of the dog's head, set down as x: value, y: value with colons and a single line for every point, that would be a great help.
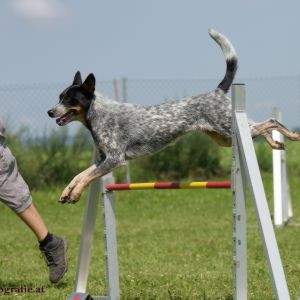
x: 74, y: 101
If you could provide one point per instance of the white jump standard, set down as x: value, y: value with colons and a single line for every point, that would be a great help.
x: 244, y: 168
x: 283, y: 210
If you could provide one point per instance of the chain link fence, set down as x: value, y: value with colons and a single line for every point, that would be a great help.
x: 27, y: 105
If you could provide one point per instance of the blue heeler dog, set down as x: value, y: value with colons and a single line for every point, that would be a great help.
x: 123, y: 131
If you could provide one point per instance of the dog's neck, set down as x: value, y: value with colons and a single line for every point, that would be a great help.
x: 89, y: 116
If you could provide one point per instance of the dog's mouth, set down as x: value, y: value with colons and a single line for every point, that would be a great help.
x: 66, y: 118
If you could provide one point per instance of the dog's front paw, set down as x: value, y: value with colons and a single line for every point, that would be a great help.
x: 278, y: 146
x: 70, y: 196
x: 74, y: 197
x: 65, y: 196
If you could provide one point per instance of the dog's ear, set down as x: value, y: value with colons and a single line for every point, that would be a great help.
x: 89, y: 84
x: 77, y: 79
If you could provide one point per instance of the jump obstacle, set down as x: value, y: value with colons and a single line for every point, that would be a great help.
x: 244, y: 169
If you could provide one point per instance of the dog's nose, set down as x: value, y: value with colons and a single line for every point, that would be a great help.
x: 51, y: 113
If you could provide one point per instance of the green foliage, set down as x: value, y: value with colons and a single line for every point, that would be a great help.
x: 264, y: 156
x: 192, y: 156
x: 52, y: 159
x: 292, y: 157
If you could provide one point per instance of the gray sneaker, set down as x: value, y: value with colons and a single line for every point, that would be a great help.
x: 56, y: 259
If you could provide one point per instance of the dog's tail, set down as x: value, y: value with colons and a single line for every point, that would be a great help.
x: 230, y: 56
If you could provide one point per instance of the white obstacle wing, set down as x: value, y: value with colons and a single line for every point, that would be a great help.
x: 244, y: 150
x: 282, y: 199
x: 244, y: 169
x: 87, y: 236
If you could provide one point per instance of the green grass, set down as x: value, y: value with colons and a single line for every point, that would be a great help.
x: 171, y: 245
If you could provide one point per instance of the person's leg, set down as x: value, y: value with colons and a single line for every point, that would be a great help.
x: 15, y: 193
x: 52, y: 247
x: 32, y: 218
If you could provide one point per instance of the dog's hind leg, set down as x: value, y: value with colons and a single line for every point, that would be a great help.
x: 274, y: 144
x: 218, y: 138
x: 264, y: 129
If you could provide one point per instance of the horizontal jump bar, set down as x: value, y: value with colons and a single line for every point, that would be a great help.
x: 168, y: 185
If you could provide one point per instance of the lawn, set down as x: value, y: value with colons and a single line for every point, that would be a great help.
x: 171, y: 245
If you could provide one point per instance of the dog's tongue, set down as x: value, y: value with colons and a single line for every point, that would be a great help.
x: 64, y: 119
x: 60, y: 121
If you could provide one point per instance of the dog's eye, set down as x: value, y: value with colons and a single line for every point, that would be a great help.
x: 74, y: 102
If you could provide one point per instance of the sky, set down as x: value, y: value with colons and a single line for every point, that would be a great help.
x: 47, y: 41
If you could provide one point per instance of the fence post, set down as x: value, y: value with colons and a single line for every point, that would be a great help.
x: 124, y: 99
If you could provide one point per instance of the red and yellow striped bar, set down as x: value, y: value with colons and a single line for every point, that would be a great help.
x: 169, y: 185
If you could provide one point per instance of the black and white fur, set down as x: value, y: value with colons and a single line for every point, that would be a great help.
x: 123, y: 131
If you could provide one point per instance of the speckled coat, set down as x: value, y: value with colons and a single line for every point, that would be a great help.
x: 130, y: 131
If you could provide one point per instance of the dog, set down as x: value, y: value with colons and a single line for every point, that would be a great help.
x: 124, y: 131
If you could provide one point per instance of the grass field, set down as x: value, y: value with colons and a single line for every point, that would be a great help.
x: 171, y: 245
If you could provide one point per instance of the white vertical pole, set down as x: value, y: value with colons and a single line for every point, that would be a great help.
x: 110, y: 241
x: 282, y: 199
x: 260, y: 204
x: 286, y: 199
x: 87, y: 235
x: 277, y: 174
x: 239, y: 210
x: 288, y: 211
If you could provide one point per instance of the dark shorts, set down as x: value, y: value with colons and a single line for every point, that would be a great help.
x: 14, y: 191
